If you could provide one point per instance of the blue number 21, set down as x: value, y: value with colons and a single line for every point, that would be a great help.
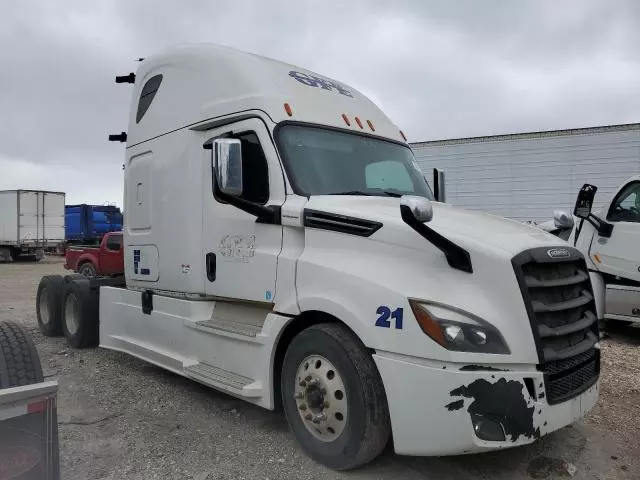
x: 385, y: 313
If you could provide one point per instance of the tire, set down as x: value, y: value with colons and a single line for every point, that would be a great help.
x: 5, y: 255
x: 49, y: 305
x: 80, y: 314
x: 19, y: 360
x: 360, y: 432
x: 87, y: 269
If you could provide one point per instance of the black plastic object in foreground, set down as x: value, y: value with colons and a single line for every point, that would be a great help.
x: 457, y: 257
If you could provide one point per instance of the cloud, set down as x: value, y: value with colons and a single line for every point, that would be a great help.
x: 440, y: 69
x: 20, y: 174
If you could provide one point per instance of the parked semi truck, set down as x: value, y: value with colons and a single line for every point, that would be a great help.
x: 609, y: 238
x: 31, y: 221
x: 282, y: 245
x: 87, y: 224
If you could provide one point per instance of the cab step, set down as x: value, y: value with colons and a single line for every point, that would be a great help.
x: 238, y: 328
x: 225, y: 380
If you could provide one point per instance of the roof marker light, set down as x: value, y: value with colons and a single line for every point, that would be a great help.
x: 402, y: 133
x: 371, y: 125
x: 287, y: 108
x: 358, y: 122
x: 346, y: 119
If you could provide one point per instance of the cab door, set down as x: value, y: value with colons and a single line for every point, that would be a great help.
x: 242, y: 254
x: 620, y: 253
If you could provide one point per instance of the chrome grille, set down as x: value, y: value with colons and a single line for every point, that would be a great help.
x: 559, y: 299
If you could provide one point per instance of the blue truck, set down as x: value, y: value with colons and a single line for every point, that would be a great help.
x: 87, y: 224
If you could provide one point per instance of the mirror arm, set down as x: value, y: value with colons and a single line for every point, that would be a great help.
x: 457, y: 257
x: 578, y: 230
x: 604, y: 228
x: 265, y: 214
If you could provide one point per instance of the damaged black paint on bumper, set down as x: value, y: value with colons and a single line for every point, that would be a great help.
x: 503, y: 402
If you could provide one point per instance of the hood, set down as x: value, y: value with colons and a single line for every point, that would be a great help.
x: 464, y: 227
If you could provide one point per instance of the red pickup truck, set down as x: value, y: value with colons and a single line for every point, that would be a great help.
x: 107, y: 259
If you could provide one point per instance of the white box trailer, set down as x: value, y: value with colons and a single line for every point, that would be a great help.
x: 527, y: 176
x: 30, y: 221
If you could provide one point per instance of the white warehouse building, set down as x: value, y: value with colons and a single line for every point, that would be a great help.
x: 526, y: 176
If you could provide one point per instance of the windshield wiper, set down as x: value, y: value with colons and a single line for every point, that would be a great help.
x: 391, y: 193
x: 352, y: 192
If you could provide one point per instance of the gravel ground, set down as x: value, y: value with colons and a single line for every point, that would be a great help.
x: 120, y: 418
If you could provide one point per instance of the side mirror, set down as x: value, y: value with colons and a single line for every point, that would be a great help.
x: 228, y: 165
x: 420, y: 207
x: 438, y: 185
x: 562, y: 219
x: 584, y: 202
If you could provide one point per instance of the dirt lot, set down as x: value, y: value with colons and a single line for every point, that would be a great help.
x: 123, y: 419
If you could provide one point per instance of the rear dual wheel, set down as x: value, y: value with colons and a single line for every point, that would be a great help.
x: 80, y: 310
x: 68, y: 306
x: 333, y: 397
x: 48, y: 305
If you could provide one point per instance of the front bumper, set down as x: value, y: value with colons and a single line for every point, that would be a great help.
x: 431, y: 405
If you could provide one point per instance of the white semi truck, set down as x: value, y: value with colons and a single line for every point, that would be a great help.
x: 610, y: 242
x: 282, y: 245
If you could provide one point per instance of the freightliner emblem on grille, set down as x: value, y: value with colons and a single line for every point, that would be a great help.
x: 558, y: 253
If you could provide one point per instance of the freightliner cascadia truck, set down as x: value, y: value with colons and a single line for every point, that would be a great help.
x: 282, y: 245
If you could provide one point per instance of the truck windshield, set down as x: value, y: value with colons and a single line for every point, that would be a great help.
x: 330, y: 162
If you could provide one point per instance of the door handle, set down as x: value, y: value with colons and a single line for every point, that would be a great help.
x: 211, y: 266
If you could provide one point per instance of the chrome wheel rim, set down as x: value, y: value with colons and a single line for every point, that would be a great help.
x: 43, y: 305
x: 71, y: 313
x: 321, y: 398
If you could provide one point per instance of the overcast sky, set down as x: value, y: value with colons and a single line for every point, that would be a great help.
x: 440, y: 69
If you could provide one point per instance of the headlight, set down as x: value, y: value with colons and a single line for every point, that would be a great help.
x: 458, y: 330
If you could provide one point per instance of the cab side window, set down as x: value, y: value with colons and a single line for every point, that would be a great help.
x: 146, y: 96
x: 255, y: 170
x: 255, y: 181
x: 114, y: 242
x: 626, y: 207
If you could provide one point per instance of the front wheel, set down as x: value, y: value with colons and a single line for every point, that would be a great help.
x: 333, y: 397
